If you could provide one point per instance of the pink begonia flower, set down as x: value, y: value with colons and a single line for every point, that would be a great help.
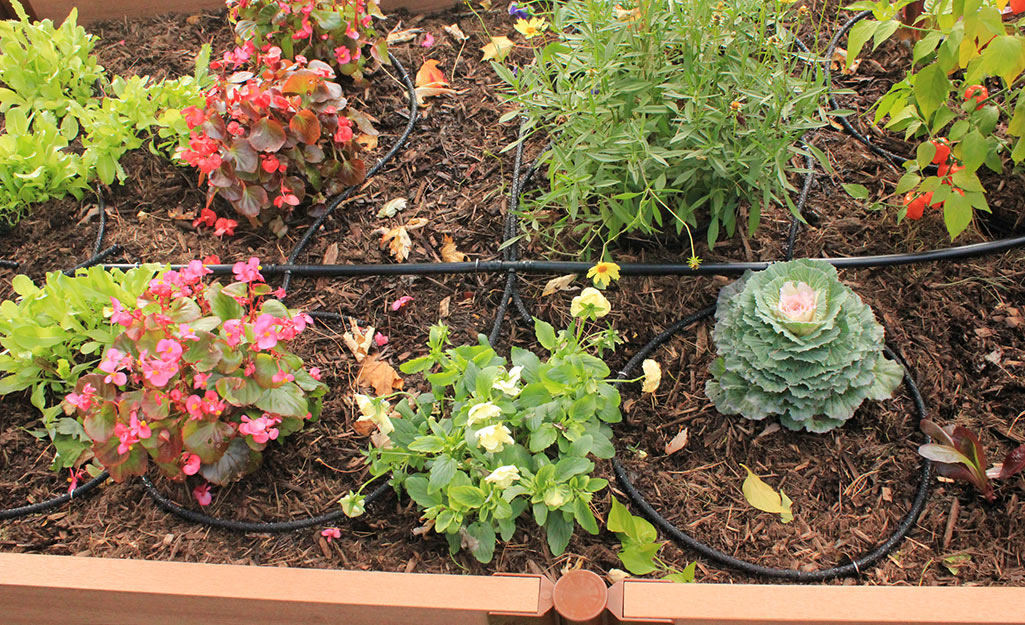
x: 194, y: 406
x: 331, y: 533
x: 82, y: 401
x: 315, y: 373
x: 402, y: 301
x: 158, y: 372
x: 266, y: 333
x: 194, y: 272
x: 281, y: 377
x: 428, y: 40
x: 132, y: 433
x: 191, y: 466
x: 213, y: 404
x: 797, y: 302
x: 186, y: 333
x: 261, y: 428
x: 202, y: 494
x: 380, y: 339
x: 233, y: 328
x: 73, y: 480
x: 248, y: 271
x: 199, y: 380
x: 113, y: 361
x: 169, y: 350
x: 279, y: 293
x: 250, y: 368
x: 119, y: 316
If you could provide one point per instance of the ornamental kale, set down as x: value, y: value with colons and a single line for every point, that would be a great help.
x: 198, y: 379
x: 794, y: 341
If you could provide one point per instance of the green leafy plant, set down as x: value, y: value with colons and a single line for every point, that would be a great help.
x: 55, y: 333
x: 962, y: 98
x: 959, y: 455
x: 490, y: 443
x: 640, y: 547
x: 264, y: 134
x: 794, y: 341
x: 314, y: 29
x: 198, y: 378
x: 666, y: 115
x: 53, y: 91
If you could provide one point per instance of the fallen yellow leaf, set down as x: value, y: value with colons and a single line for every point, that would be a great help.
x: 430, y: 92
x: 765, y: 498
x: 497, y: 49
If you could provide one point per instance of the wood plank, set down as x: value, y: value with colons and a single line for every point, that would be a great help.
x: 96, y: 10
x: 645, y: 601
x: 63, y: 590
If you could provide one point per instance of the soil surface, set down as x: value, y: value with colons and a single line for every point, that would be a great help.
x: 958, y: 325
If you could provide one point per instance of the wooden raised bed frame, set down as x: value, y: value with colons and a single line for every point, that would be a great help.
x: 63, y: 590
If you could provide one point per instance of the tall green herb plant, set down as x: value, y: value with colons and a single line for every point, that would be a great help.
x: 666, y: 115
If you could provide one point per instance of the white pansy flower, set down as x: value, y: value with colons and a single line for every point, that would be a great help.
x: 652, y: 375
x: 494, y: 437
x: 376, y: 411
x: 590, y: 303
x: 508, y: 384
x: 482, y: 412
x: 504, y: 476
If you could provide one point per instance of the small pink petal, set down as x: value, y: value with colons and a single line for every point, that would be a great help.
x: 331, y: 533
x: 380, y: 339
x: 202, y: 494
x: 428, y: 40
x: 402, y: 301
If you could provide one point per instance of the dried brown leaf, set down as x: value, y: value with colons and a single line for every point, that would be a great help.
x: 449, y: 253
x: 379, y: 375
x: 679, y: 442
x: 562, y: 283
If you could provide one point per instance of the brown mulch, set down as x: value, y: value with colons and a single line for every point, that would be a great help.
x: 958, y: 324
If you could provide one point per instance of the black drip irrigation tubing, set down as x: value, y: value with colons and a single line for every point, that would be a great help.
x: 253, y: 526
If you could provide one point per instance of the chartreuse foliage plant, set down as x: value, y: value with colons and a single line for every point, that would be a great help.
x: 795, y: 342
x: 962, y: 99
x: 494, y: 440
x: 56, y: 332
x: 53, y: 92
x: 326, y: 30
x: 666, y: 116
x: 198, y: 379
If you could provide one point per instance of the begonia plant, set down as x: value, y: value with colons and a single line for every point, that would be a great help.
x: 796, y: 342
x: 199, y: 379
x: 316, y: 29
x: 267, y: 137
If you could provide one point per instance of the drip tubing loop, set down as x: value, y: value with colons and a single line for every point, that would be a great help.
x: 56, y: 502
x: 252, y: 526
x: 344, y: 195
x: 684, y: 540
